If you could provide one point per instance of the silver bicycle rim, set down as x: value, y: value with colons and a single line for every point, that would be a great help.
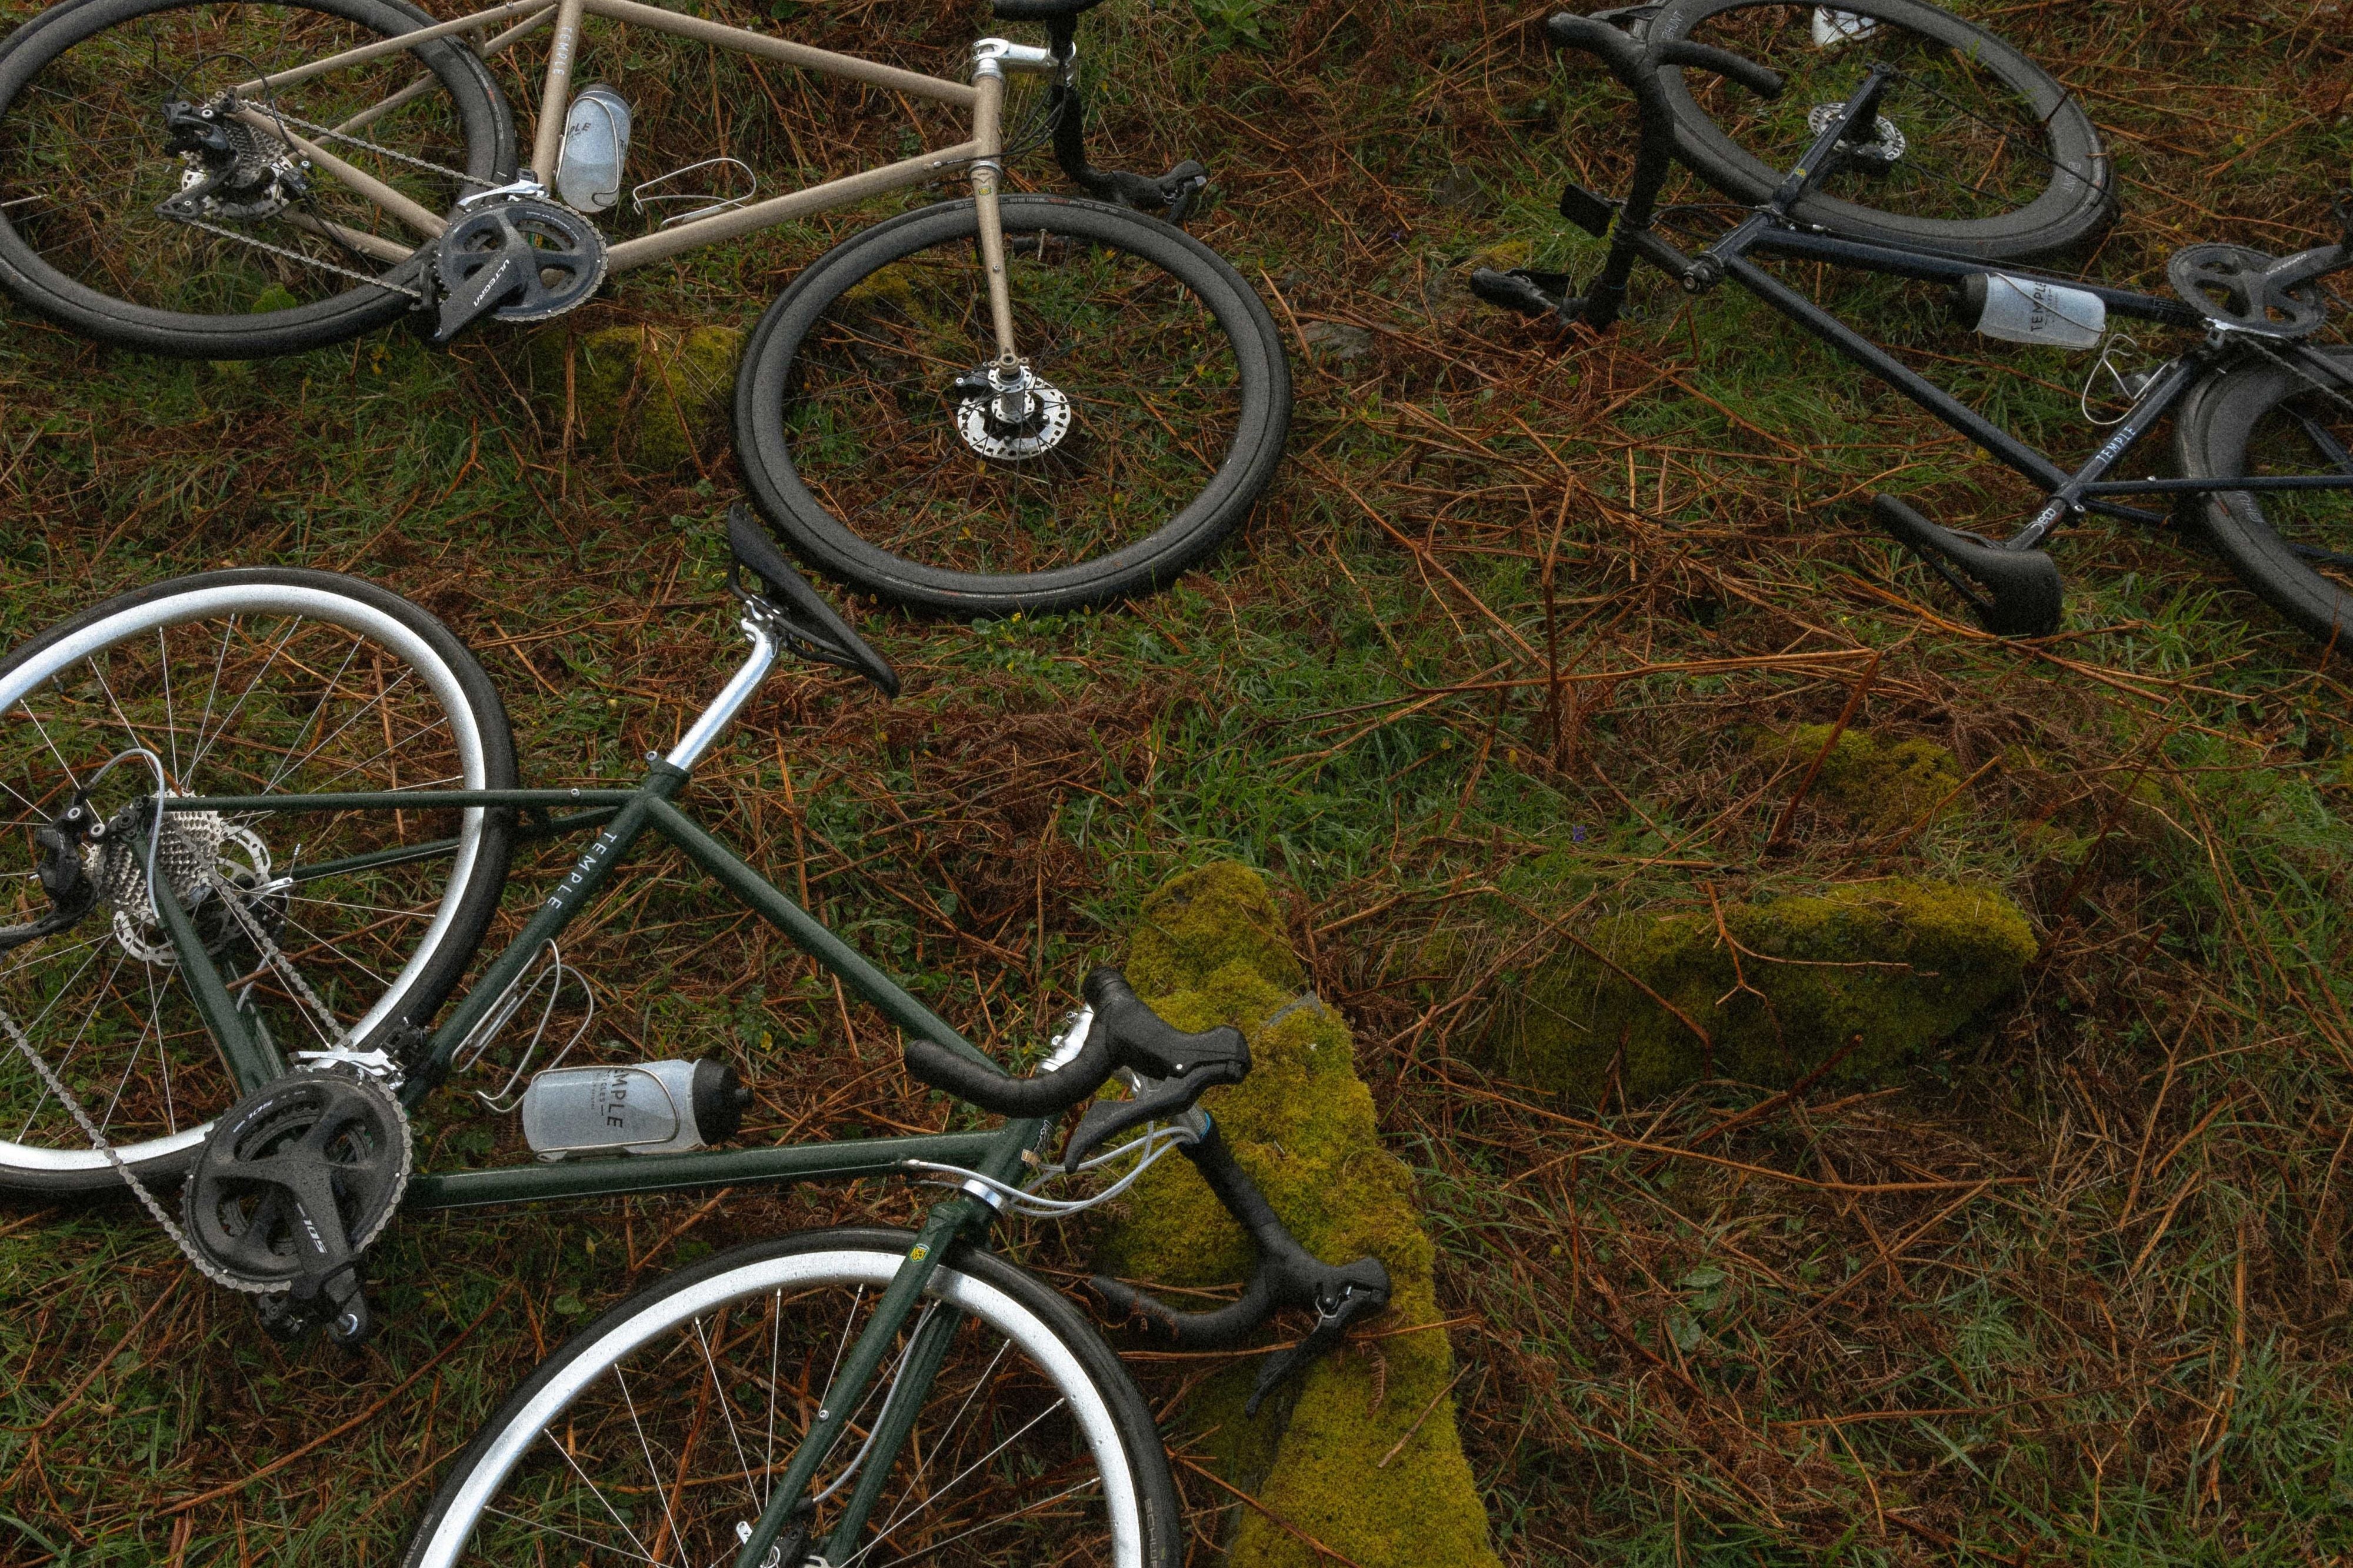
x: 444, y: 1547
x: 268, y: 598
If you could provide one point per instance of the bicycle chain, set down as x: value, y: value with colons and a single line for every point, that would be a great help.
x: 277, y: 961
x: 147, y: 1198
x: 415, y: 294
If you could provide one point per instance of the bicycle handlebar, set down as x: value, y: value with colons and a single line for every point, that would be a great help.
x: 1125, y: 1033
x: 1286, y: 1275
x: 1637, y: 64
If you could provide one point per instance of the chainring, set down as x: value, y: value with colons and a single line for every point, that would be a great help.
x: 299, y: 1177
x: 541, y: 259
x: 2224, y: 283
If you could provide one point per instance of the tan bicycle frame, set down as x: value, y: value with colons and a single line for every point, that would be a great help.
x: 984, y: 96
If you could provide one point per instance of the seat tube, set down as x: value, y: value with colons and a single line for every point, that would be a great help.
x: 556, y: 94
x: 988, y: 135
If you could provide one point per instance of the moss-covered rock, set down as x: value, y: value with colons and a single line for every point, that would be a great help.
x: 1659, y: 1000
x: 653, y: 397
x: 1211, y: 950
x: 1879, y: 782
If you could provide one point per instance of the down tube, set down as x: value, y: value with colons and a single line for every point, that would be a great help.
x: 808, y: 933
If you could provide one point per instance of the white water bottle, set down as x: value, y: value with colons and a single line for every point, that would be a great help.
x: 649, y: 1108
x: 595, y: 144
x: 2030, y: 310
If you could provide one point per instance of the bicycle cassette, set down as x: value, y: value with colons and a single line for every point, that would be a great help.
x: 291, y: 1185
x: 521, y: 260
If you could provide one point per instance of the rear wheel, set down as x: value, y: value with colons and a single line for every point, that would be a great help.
x: 1161, y: 413
x: 2266, y: 417
x: 260, y: 252
x: 656, y: 1435
x: 1979, y: 152
x: 242, y: 682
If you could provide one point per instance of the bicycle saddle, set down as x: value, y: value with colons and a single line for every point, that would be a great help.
x: 810, y: 627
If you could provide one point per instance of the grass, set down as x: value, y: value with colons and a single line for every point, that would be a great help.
x: 2075, y: 1289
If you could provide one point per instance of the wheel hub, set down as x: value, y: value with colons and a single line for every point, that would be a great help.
x: 1875, y: 155
x: 198, y: 855
x: 230, y: 170
x: 1010, y: 416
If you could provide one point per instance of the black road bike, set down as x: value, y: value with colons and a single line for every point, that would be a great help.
x: 2262, y: 415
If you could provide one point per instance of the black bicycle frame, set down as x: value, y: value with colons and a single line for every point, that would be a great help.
x: 1770, y: 229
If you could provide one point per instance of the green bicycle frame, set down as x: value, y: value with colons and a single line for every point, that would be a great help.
x: 627, y: 816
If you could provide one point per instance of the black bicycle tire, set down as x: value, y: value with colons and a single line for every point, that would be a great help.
x: 1140, y: 1434
x: 476, y: 904
x: 2210, y: 430
x: 1144, y: 565
x: 2079, y: 203
x: 33, y: 282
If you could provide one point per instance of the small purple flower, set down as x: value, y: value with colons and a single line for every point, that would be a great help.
x: 1576, y: 834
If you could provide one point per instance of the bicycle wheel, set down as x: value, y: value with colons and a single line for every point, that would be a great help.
x: 2285, y: 415
x: 234, y: 683
x: 881, y: 472
x: 657, y: 1431
x: 273, y: 256
x: 1979, y: 152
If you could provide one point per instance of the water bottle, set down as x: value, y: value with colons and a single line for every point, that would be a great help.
x: 2030, y: 310
x: 596, y: 143
x: 646, y: 1107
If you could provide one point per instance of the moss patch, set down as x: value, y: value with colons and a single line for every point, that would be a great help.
x: 652, y: 396
x: 1884, y: 783
x: 1211, y: 950
x: 1892, y: 966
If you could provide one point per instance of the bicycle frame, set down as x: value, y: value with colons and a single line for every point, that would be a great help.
x: 984, y: 97
x: 627, y: 816
x: 1770, y: 229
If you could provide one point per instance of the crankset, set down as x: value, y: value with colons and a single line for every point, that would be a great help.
x: 291, y: 1186
x: 2237, y: 287
x: 523, y: 260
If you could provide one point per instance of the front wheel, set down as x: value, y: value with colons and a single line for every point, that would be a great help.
x: 656, y: 1434
x: 1977, y: 151
x: 2291, y: 413
x: 1159, y: 412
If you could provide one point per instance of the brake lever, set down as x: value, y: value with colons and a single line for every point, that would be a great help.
x: 1164, y: 1100
x: 1363, y: 1290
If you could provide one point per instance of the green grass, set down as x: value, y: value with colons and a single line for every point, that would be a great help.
x: 2115, y: 1336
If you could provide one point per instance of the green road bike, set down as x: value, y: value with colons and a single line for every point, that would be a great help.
x: 258, y: 821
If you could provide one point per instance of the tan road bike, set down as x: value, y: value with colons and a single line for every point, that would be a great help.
x: 996, y: 403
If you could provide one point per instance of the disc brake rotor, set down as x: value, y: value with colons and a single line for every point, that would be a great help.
x: 203, y: 859
x: 1875, y: 156
x: 1047, y: 422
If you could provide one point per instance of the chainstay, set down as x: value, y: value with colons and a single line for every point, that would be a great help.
x: 337, y: 1036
